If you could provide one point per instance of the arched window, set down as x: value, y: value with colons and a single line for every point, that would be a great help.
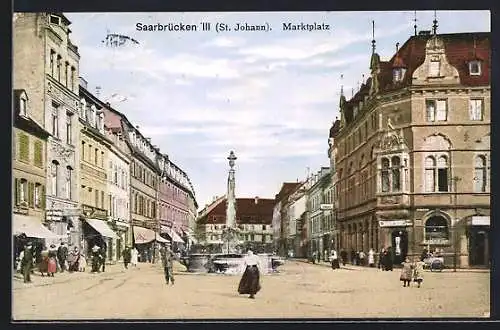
x: 442, y: 173
x: 54, y: 169
x: 385, y: 175
x: 396, y: 173
x: 430, y: 179
x: 436, y: 228
x: 69, y: 180
x: 480, y: 174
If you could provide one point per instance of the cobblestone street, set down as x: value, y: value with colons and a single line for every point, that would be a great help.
x: 300, y: 290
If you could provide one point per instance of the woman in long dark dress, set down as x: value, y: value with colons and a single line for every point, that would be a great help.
x: 250, y: 281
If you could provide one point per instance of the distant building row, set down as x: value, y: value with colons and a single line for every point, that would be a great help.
x: 80, y: 167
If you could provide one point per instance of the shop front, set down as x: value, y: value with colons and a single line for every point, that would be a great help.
x: 147, y: 241
x: 479, y: 241
x: 98, y: 232
x: 395, y: 234
x: 170, y: 234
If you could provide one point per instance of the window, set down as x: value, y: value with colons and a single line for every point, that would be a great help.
x: 23, y: 107
x: 480, y: 174
x: 52, y: 56
x: 72, y: 80
x: 442, y: 173
x: 69, y: 128
x: 83, y: 151
x: 475, y: 68
x: 436, y: 228
x: 55, y: 120
x: 37, y: 195
x: 69, y: 178
x: 23, y: 191
x: 24, y: 147
x: 374, y: 121
x: 59, y: 59
x: 398, y: 74
x: 434, y: 68
x: 385, y: 175
x: 396, y: 173
x: 38, y: 153
x: 436, y: 110
x: 96, y: 156
x: 115, y: 175
x: 90, y: 153
x: 55, y: 20
x: 96, y: 198
x: 366, y: 130
x: 54, y: 169
x: 102, y: 199
x: 476, y: 109
x: 102, y: 159
x: 430, y: 179
x: 66, y: 74
x: 355, y: 111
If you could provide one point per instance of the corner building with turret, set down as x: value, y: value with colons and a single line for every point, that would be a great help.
x: 411, y: 152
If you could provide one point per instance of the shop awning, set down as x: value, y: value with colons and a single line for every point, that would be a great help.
x: 161, y: 239
x: 31, y: 227
x: 143, y: 235
x: 173, y: 235
x: 102, y: 228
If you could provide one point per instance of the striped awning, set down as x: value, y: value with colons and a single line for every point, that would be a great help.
x: 173, y: 235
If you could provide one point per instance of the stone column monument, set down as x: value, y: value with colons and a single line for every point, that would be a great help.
x: 231, y: 233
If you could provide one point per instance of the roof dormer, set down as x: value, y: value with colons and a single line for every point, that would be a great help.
x: 398, y: 67
x: 475, y: 67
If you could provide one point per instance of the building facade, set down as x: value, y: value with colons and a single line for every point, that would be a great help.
x: 28, y: 162
x: 319, y: 213
x: 51, y: 84
x: 118, y: 186
x: 95, y: 147
x: 296, y: 212
x: 413, y: 151
x: 253, y: 219
x: 287, y: 188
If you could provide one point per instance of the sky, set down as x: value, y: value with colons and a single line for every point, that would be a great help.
x: 271, y: 96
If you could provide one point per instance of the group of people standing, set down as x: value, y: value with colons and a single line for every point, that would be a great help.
x: 49, y: 260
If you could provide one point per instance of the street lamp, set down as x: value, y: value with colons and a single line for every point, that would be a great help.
x: 455, y: 179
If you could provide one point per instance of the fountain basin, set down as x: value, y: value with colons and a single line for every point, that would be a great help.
x: 228, y: 263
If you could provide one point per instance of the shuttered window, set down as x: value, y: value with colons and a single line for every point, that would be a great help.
x: 42, y: 197
x: 17, y: 191
x: 38, y: 153
x: 24, y: 147
x: 31, y: 194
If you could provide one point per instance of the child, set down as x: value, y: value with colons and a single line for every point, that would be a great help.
x: 418, y: 271
x: 406, y: 272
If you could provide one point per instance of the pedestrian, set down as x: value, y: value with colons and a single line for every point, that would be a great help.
x: 362, y: 257
x: 96, y: 258
x: 102, y: 256
x: 418, y: 272
x: 168, y: 264
x: 314, y: 257
x: 371, y: 258
x: 134, y: 257
x: 381, y: 259
x: 334, y: 259
x: 424, y: 254
x: 43, y: 266
x: 250, y: 281
x: 353, y: 257
x: 343, y: 255
x: 406, y: 272
x: 126, y: 256
x: 27, y: 262
x: 52, y: 262
x: 388, y: 261
x: 62, y: 255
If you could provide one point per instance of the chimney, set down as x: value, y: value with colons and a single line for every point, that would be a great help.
x: 256, y: 199
x: 148, y: 139
x: 137, y: 127
x: 108, y: 104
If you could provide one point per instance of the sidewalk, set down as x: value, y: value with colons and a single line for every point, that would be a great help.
x: 354, y: 267
x: 38, y: 280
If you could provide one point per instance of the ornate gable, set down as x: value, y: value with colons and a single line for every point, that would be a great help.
x: 436, y: 69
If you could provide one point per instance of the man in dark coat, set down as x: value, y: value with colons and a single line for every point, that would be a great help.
x: 62, y: 255
x: 168, y: 264
x: 27, y: 262
x: 103, y: 257
x: 343, y: 256
x: 96, y: 258
x: 127, y: 256
x: 388, y: 262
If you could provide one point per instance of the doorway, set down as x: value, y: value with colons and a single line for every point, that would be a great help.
x: 399, y: 243
x: 478, y: 247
